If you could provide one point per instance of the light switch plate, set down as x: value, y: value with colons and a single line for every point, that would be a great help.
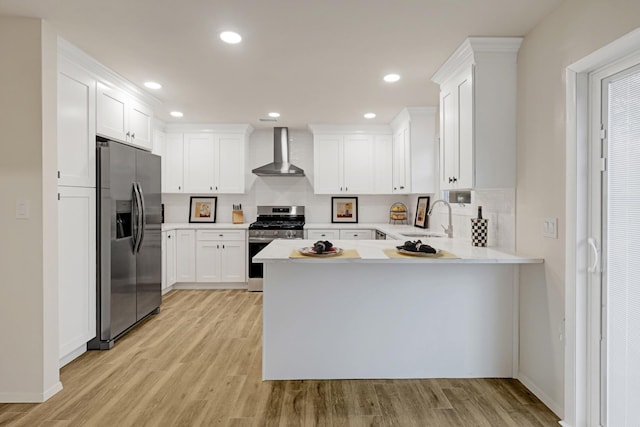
x: 22, y: 209
x: 550, y: 228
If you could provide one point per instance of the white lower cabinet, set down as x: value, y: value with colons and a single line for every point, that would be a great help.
x: 76, y: 270
x: 220, y: 256
x: 356, y: 234
x: 185, y: 256
x: 168, y: 259
x: 205, y: 256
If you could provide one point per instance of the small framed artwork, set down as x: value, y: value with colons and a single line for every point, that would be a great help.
x: 422, y: 219
x: 203, y: 209
x: 344, y: 209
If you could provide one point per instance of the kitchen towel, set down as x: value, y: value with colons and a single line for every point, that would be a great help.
x: 393, y: 253
x: 346, y: 254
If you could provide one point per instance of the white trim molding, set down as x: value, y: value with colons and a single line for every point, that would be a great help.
x: 577, y: 208
x: 31, y: 397
x: 466, y: 52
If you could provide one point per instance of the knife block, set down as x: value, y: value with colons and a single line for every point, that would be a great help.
x: 237, y: 217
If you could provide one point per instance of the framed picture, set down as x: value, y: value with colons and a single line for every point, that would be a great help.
x: 422, y: 219
x: 344, y: 209
x: 203, y: 209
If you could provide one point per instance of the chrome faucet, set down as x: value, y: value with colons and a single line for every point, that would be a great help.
x: 449, y: 229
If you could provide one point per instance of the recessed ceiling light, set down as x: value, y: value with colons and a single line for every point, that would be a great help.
x: 176, y: 113
x: 391, y: 78
x: 230, y: 37
x: 153, y: 85
x: 370, y: 116
x: 274, y: 114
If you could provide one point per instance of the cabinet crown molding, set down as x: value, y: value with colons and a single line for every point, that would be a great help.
x: 411, y: 112
x: 104, y: 74
x: 464, y: 55
x: 350, y: 129
x: 246, y: 129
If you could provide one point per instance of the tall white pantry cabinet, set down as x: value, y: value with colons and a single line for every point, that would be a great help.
x: 76, y: 209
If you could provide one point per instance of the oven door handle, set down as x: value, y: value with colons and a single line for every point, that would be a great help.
x: 260, y: 239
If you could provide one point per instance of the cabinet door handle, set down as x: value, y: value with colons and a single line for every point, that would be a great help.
x: 168, y: 237
x: 179, y: 188
x: 220, y: 235
x: 216, y: 187
x: 395, y: 188
x: 222, y: 246
x: 455, y: 179
x: 401, y: 187
x: 346, y: 188
x: 340, y: 188
x: 133, y: 135
x: 217, y: 246
x: 128, y: 134
x: 210, y: 188
x: 450, y: 180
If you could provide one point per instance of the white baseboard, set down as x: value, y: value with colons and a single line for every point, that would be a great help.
x: 72, y: 355
x: 564, y: 424
x: 537, y: 391
x: 168, y: 289
x: 196, y: 286
x: 30, y: 397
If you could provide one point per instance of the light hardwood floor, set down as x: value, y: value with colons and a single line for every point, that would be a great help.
x: 198, y: 363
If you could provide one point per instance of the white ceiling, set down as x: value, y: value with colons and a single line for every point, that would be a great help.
x: 316, y: 61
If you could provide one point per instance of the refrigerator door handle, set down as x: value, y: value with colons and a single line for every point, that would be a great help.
x: 137, y: 230
x: 134, y: 213
x: 143, y: 215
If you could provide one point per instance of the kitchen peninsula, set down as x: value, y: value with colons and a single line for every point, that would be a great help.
x: 381, y: 317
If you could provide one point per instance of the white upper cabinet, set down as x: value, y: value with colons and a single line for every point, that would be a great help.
x: 414, y: 151
x: 231, y: 163
x: 210, y: 163
x: 122, y: 118
x: 76, y: 126
x: 383, y: 174
x: 351, y: 163
x: 173, y: 163
x: 478, y: 114
x: 140, y: 125
x: 199, y: 158
x: 327, y: 164
x: 358, y: 164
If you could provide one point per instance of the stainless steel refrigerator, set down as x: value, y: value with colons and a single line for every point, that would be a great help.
x: 128, y: 239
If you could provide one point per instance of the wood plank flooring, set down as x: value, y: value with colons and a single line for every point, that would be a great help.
x: 198, y: 363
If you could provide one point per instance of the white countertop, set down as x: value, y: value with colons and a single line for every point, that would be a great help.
x: 371, y: 251
x: 204, y: 226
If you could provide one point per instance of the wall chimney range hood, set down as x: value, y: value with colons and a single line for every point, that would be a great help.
x: 280, y: 165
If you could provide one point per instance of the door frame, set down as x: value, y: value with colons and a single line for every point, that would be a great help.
x: 577, y: 387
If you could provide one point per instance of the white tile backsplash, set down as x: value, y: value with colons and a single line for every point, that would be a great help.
x: 283, y: 190
x: 498, y: 205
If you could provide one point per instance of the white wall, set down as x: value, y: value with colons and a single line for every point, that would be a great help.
x: 282, y: 190
x: 28, y: 259
x: 575, y: 29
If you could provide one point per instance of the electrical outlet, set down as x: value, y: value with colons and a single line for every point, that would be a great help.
x: 550, y: 228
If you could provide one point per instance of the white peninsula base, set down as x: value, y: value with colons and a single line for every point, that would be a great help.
x: 325, y: 320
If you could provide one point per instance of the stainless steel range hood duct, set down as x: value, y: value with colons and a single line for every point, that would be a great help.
x: 280, y: 165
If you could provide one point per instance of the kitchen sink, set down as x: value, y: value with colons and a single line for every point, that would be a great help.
x: 423, y: 234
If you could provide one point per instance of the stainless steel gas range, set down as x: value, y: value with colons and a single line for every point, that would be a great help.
x: 273, y: 222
